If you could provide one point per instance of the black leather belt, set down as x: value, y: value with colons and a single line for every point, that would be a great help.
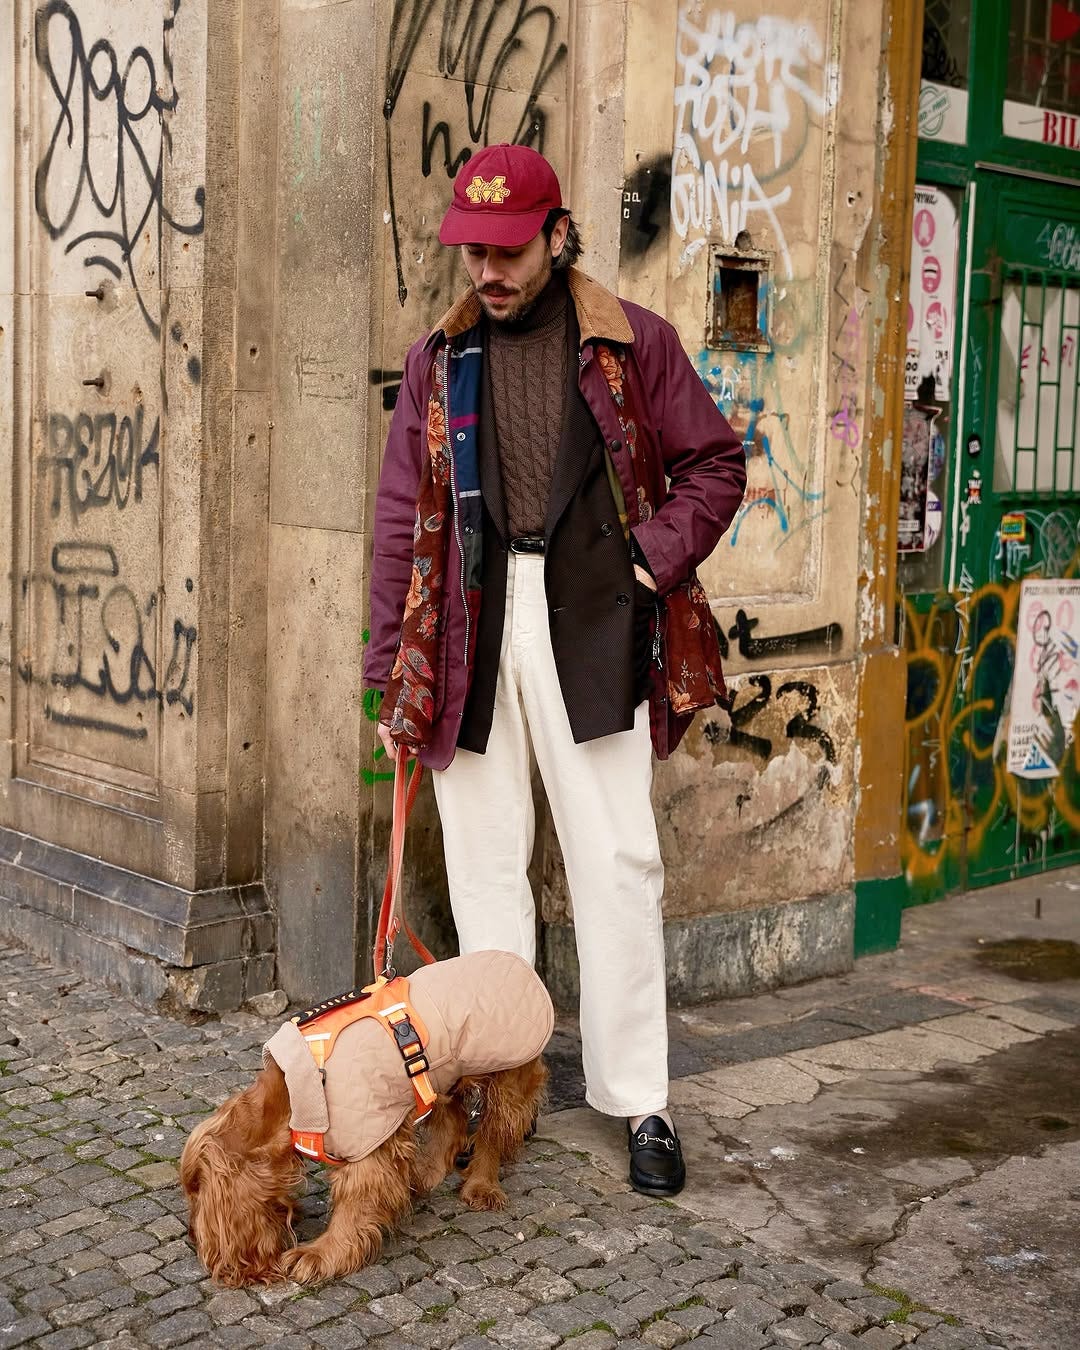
x: 527, y: 543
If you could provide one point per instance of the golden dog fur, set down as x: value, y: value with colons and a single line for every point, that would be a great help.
x: 242, y: 1177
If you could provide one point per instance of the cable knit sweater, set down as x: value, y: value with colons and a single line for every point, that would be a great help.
x: 528, y: 389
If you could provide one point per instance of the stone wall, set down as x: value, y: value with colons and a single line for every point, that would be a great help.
x: 193, y: 786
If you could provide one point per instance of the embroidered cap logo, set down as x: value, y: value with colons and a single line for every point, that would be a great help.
x: 495, y: 192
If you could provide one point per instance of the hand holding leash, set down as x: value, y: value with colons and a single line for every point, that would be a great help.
x: 388, y: 743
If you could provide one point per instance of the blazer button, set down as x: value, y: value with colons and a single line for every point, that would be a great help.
x: 615, y: 445
x: 622, y: 598
x: 605, y: 529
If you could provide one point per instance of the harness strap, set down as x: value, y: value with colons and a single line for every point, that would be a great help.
x: 387, y: 1001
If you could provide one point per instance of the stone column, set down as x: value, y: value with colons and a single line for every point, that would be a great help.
x: 130, y: 803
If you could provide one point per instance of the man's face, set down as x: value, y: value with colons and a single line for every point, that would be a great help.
x: 508, y: 280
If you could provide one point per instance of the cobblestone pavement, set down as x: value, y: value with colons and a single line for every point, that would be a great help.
x: 96, y: 1098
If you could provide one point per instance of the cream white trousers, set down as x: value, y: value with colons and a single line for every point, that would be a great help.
x: 599, y: 794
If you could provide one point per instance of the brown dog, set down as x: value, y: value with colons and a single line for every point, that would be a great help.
x: 335, y: 1086
x: 242, y: 1176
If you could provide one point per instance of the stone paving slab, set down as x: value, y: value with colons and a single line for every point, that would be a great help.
x: 96, y: 1098
x: 701, y: 1041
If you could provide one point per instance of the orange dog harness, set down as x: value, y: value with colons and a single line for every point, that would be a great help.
x: 387, y: 1001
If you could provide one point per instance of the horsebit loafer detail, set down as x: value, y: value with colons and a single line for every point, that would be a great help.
x: 656, y: 1161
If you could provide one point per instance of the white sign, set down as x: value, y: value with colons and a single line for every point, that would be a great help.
x: 943, y: 113
x: 1026, y: 122
x: 1046, y: 678
x: 935, y: 231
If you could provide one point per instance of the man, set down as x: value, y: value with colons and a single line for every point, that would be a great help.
x: 532, y: 588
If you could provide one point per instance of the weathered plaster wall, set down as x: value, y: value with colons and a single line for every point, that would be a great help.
x: 763, y: 128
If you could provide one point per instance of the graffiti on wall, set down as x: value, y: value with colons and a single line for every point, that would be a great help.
x: 104, y: 647
x: 798, y: 698
x: 961, y: 805
x: 646, y: 212
x: 845, y: 424
x: 781, y: 490
x: 100, y: 182
x: 107, y: 647
x: 747, y: 93
x: 98, y: 459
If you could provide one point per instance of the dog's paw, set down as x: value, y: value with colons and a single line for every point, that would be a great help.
x: 482, y: 1194
x: 306, y: 1265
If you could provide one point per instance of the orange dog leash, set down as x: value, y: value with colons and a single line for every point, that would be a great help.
x: 392, y: 913
x: 387, y: 999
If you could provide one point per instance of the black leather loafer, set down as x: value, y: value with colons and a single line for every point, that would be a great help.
x: 656, y: 1161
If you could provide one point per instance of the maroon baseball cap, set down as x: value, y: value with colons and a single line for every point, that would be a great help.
x: 502, y: 196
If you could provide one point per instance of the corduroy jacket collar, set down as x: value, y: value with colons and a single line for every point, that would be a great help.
x: 599, y: 313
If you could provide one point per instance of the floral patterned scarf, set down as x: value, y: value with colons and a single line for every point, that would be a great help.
x: 450, y: 471
x: 689, y: 650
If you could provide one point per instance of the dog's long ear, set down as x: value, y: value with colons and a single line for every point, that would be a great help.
x: 241, y: 1208
x: 239, y: 1172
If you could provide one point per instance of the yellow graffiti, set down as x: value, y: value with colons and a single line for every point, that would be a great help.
x: 947, y: 811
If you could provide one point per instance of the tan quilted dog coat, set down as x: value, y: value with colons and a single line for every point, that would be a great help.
x: 483, y: 1012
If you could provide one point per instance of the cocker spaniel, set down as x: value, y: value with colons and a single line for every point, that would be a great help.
x: 241, y: 1169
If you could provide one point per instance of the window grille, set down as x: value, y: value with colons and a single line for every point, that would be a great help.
x: 1044, y: 54
x: 1037, y: 402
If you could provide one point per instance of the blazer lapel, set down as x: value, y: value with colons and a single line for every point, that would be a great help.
x: 578, y: 434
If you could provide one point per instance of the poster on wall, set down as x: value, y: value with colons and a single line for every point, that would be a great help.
x: 935, y: 236
x: 921, y: 464
x: 942, y: 113
x: 1046, y: 677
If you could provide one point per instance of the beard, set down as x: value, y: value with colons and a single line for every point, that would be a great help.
x: 512, y: 305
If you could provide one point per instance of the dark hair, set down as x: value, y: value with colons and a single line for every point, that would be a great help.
x: 572, y: 249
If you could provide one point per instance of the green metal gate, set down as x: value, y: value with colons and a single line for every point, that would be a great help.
x: 990, y: 605
x: 1017, y: 488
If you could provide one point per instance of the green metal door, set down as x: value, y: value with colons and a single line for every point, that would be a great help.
x: 1014, y: 531
x: 989, y: 486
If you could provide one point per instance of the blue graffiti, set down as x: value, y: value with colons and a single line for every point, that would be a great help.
x: 758, y: 371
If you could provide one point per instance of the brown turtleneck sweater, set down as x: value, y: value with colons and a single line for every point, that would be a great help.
x: 528, y: 390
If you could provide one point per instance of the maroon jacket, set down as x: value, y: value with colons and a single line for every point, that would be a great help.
x: 702, y: 458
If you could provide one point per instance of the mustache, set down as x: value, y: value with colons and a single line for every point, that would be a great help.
x: 498, y: 290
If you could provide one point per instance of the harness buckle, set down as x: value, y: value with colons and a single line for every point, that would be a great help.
x: 404, y: 1033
